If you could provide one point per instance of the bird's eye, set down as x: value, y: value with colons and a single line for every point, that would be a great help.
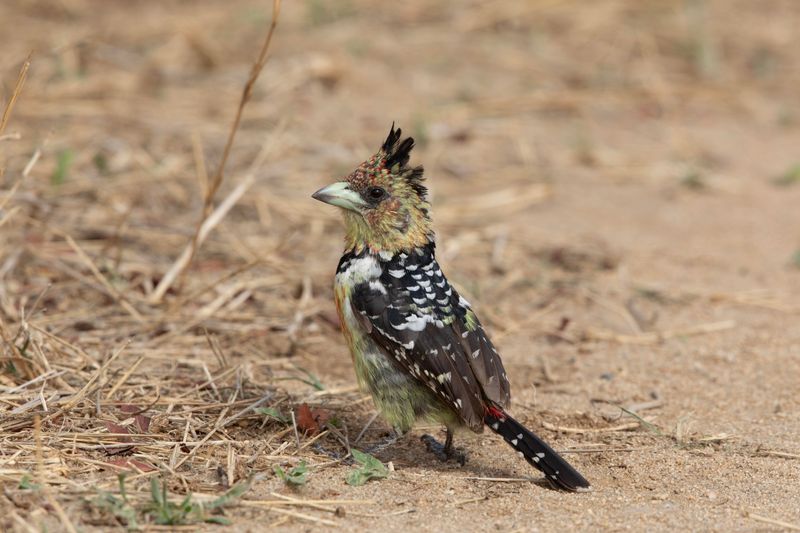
x: 376, y: 193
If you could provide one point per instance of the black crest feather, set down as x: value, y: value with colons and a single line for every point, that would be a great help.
x: 398, y: 153
x: 391, y: 140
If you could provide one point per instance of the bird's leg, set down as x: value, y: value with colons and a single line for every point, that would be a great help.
x: 444, y: 452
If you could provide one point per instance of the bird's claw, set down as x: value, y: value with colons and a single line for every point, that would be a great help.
x: 442, y: 452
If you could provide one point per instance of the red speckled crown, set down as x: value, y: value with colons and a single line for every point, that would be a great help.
x: 393, y: 158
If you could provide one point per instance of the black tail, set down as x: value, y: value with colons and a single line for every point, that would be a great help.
x: 557, y: 471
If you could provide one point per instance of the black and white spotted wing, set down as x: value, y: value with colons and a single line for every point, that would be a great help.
x: 419, y: 319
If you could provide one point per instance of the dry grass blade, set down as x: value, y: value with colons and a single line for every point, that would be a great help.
x: 303, y: 516
x: 79, y: 396
x: 621, y: 427
x: 23, y: 74
x: 112, y: 291
x: 221, y: 425
x: 772, y: 521
x: 207, y: 224
x: 469, y: 500
x: 782, y: 455
x: 124, y: 378
x: 322, y: 505
x: 247, y: 93
x: 186, y: 258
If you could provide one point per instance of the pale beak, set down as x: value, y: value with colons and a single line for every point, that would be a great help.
x: 340, y: 195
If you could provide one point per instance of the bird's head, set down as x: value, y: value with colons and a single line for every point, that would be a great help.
x: 384, y: 202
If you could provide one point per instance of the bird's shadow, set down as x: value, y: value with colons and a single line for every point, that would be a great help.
x: 410, y: 451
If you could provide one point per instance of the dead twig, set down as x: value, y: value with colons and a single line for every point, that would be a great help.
x: 112, y: 291
x: 563, y: 429
x: 783, y: 455
x: 774, y: 522
x: 208, y: 219
x: 23, y: 74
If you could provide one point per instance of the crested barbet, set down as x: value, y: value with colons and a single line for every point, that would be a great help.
x: 417, y: 346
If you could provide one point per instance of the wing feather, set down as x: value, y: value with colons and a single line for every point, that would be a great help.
x: 431, y: 332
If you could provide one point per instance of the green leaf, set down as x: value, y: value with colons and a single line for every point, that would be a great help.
x: 796, y: 259
x: 120, y: 508
x: 155, y: 492
x: 371, y: 468
x: 162, y: 511
x: 121, y: 481
x: 312, y: 379
x: 296, y: 476
x: 271, y: 412
x: 694, y: 180
x: 788, y: 178
x: 26, y: 484
x: 232, y: 494
x: 62, y: 167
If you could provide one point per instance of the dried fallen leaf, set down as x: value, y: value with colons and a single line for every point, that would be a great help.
x: 142, y: 422
x: 119, y: 431
x: 311, y: 421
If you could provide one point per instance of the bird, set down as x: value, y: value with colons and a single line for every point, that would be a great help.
x: 417, y: 345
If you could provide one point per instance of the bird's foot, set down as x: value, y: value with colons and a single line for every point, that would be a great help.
x: 444, y: 452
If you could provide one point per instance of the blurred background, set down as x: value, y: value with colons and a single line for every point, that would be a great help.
x: 615, y: 185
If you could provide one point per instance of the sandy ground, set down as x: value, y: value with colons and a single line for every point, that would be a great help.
x: 615, y: 187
